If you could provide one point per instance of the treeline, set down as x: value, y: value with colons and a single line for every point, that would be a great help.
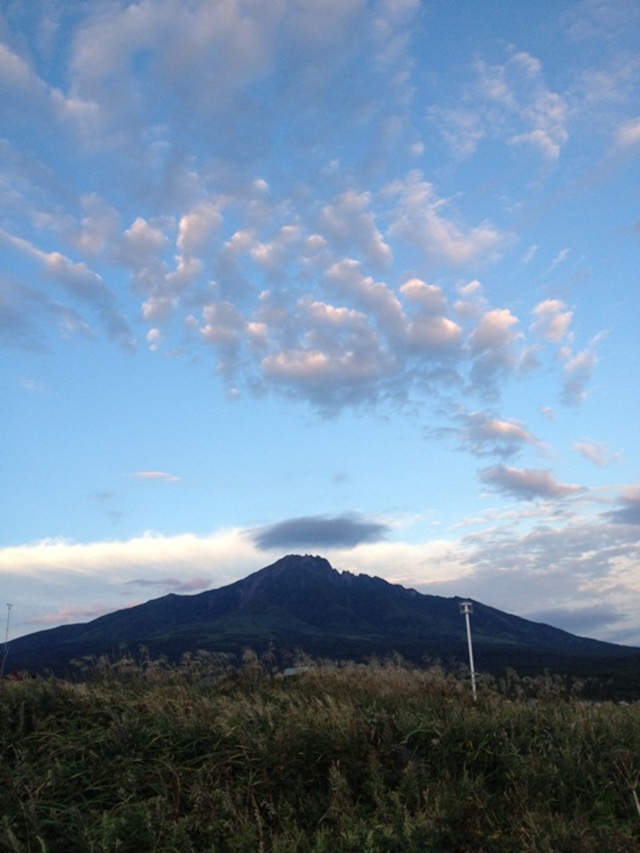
x: 142, y: 756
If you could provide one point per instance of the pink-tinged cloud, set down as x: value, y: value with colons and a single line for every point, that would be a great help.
x: 526, y: 483
x: 495, y: 330
x: 69, y: 613
x: 628, y: 134
x: 161, y: 476
x: 428, y: 296
x: 483, y: 435
x: 552, y: 320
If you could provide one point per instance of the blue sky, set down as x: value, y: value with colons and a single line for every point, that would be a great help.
x: 350, y: 278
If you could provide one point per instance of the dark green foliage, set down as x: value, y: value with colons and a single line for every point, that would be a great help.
x: 377, y: 757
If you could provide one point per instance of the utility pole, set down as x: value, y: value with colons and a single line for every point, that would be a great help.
x: 5, y: 651
x: 466, y: 608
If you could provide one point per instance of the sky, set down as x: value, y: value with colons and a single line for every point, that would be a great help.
x: 356, y: 278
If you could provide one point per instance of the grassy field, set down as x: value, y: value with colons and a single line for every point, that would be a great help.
x: 378, y: 757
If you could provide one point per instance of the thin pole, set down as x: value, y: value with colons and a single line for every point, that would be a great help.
x: 6, y: 641
x: 472, y: 667
x: 466, y: 607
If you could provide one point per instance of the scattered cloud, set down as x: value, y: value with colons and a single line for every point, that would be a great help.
x: 161, y: 476
x: 81, y: 283
x: 483, y: 435
x: 599, y: 20
x: 596, y: 452
x: 628, y: 134
x: 560, y: 258
x: 578, y: 368
x: 108, y: 503
x: 628, y: 511
x: 74, y: 613
x: 419, y: 217
x: 510, y: 102
x: 33, y: 386
x: 552, y: 320
x: 582, y: 621
x: 577, y: 562
x: 342, y: 531
x: 526, y: 483
x: 493, y: 345
x: 294, y: 292
x: 172, y: 584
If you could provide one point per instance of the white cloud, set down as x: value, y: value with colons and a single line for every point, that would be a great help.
x: 223, y: 324
x: 419, y: 218
x: 461, y: 128
x: 510, y: 102
x: 552, y: 320
x: 495, y: 330
x: 51, y: 575
x: 161, y: 476
x: 375, y: 298
x: 628, y: 134
x: 578, y: 368
x: 428, y: 296
x: 152, y: 65
x: 195, y: 228
x: 141, y: 243
x: 481, y: 435
x: 560, y: 258
x: 348, y: 221
x: 27, y: 98
x: 493, y: 347
x: 434, y: 334
x: 596, y: 452
x: 206, y: 238
x: 81, y: 283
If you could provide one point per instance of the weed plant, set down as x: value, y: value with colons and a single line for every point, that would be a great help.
x: 140, y: 756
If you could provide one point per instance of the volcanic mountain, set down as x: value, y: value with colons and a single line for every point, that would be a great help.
x: 301, y: 603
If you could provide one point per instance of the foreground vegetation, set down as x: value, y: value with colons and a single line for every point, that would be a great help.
x: 378, y: 757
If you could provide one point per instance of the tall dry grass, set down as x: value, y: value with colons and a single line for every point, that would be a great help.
x: 140, y: 756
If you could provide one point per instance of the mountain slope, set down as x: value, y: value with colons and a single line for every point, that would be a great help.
x: 303, y: 603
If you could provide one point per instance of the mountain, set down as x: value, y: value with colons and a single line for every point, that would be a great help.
x: 302, y: 603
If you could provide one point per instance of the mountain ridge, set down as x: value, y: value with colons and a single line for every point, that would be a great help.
x: 303, y: 603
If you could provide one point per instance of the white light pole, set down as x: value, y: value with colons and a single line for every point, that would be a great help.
x: 466, y: 608
x: 6, y: 641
